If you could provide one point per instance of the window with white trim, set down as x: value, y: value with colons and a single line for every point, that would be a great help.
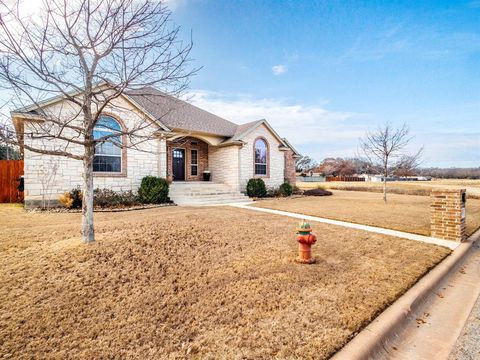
x: 108, y: 151
x: 194, y: 162
x: 261, y: 157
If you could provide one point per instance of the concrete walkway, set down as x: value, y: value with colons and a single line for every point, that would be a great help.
x: 468, y: 344
x: 449, y: 244
x: 433, y: 330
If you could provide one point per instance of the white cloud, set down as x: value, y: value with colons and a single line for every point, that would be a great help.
x: 312, y: 129
x: 279, y: 69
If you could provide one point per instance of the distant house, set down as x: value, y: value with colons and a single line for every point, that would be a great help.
x: 188, y: 142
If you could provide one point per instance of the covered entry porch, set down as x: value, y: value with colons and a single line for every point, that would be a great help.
x: 187, y: 159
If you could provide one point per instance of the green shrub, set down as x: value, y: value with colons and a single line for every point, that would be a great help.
x: 286, y: 189
x: 274, y: 192
x: 256, y: 188
x: 107, y: 198
x: 153, y: 190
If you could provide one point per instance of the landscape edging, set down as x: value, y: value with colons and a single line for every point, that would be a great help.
x: 371, y: 342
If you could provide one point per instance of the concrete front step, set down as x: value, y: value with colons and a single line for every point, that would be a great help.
x: 204, y: 193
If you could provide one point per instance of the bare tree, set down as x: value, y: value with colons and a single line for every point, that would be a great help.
x: 384, y: 146
x: 407, y: 164
x: 89, y: 53
x: 48, y: 173
x: 305, y: 163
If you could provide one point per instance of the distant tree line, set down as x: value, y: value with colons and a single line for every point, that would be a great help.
x: 356, y: 166
x: 9, y: 153
x: 451, y: 173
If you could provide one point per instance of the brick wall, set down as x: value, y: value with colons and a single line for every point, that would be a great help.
x: 189, y: 144
x: 290, y: 173
x: 448, y: 214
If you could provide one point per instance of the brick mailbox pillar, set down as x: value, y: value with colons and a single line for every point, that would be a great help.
x: 448, y: 214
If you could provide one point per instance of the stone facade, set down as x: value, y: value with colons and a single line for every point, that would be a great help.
x: 224, y: 164
x: 275, y: 161
x: 189, y: 144
x: 290, y: 173
x: 448, y: 214
x: 47, y: 176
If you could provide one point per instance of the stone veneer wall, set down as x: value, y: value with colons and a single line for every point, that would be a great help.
x: 448, y: 214
x: 290, y: 173
x: 224, y: 163
x: 202, y: 156
x: 276, y: 159
x: 38, y: 167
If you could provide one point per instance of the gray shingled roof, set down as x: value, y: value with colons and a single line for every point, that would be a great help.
x: 178, y: 114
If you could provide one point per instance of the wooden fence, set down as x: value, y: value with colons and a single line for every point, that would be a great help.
x: 345, y: 178
x: 10, y: 172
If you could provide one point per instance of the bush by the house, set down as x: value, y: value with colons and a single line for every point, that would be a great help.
x: 273, y: 192
x: 110, y: 198
x: 296, y: 190
x: 72, y: 199
x: 153, y: 190
x: 317, y: 192
x: 256, y: 188
x: 286, y: 189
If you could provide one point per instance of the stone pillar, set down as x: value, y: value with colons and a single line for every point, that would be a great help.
x: 448, y: 214
x: 162, y: 158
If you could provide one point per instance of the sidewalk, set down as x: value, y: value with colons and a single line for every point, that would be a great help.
x: 467, y: 346
x: 432, y: 332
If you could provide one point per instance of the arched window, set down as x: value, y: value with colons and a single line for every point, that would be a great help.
x: 261, y: 157
x: 108, y: 153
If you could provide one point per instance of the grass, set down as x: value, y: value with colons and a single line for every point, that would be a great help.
x: 402, y: 212
x: 421, y: 188
x: 197, y: 283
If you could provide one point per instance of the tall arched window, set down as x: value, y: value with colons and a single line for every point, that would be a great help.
x: 108, y: 153
x: 261, y: 157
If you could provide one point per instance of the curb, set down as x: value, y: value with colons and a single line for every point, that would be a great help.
x: 371, y: 342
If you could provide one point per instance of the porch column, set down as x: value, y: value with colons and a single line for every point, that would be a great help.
x: 162, y: 158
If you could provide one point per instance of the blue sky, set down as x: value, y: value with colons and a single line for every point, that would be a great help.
x: 324, y: 72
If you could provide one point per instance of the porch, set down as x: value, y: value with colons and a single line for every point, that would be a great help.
x: 187, y: 159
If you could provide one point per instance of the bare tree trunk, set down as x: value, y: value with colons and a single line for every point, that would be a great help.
x: 88, y: 233
x: 385, y: 174
x: 384, y: 189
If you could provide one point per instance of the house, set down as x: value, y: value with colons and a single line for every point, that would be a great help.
x: 185, y: 142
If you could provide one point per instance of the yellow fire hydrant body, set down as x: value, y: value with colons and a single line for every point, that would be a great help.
x: 305, y: 239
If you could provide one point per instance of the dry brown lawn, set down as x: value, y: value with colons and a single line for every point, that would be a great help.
x: 407, y: 213
x: 407, y: 187
x: 192, y: 282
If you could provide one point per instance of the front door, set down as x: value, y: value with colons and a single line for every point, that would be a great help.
x: 178, y: 164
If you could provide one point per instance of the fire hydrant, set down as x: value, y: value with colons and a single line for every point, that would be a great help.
x: 305, y: 240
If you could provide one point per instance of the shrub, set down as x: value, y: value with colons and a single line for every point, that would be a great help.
x: 296, y: 190
x: 153, y: 190
x: 256, y: 188
x: 317, y: 192
x: 286, y: 189
x: 273, y: 192
x: 72, y: 199
x: 107, y: 197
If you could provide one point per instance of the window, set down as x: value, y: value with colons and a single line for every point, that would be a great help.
x: 261, y: 155
x: 108, y: 153
x: 194, y: 163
